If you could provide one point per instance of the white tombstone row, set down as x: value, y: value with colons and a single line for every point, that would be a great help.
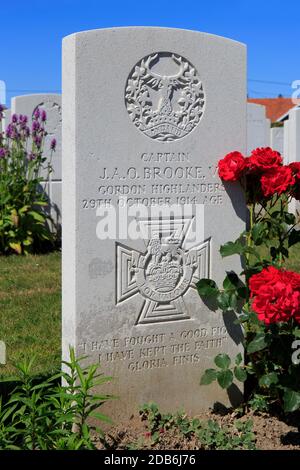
x: 52, y: 183
x: 258, y: 127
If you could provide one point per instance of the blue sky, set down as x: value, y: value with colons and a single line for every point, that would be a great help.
x: 30, y: 45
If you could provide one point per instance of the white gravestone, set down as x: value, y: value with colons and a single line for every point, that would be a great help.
x: 51, y: 103
x: 286, y: 142
x: 294, y: 147
x: 277, y: 137
x: 7, y: 118
x: 258, y: 127
x: 268, y: 133
x: 147, y: 114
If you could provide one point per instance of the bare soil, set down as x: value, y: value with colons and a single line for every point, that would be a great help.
x: 271, y: 433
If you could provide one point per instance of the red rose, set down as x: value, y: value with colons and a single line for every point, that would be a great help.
x: 295, y: 167
x: 264, y: 159
x: 277, y: 180
x: 275, y: 295
x: 266, y: 277
x: 231, y: 167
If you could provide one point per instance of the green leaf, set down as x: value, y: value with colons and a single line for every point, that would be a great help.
x: 208, y: 377
x: 291, y: 400
x: 231, y: 281
x: 242, y: 292
x: 207, y: 288
x: 225, y: 378
x: 223, y: 300
x: 227, y: 300
x: 239, y: 359
x: 289, y: 218
x: 37, y: 216
x: 223, y: 361
x: 268, y: 379
x: 27, y: 242
x: 23, y: 209
x: 16, y: 247
x: 296, y: 332
x: 294, y: 237
x: 257, y: 344
x: 231, y: 248
x: 240, y: 374
x: 257, y: 231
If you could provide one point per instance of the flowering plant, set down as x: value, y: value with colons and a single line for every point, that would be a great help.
x: 266, y: 298
x: 23, y: 219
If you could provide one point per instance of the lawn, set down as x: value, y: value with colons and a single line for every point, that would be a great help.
x: 30, y: 311
x: 30, y: 308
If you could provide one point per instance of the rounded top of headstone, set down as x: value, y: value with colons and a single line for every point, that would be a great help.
x: 149, y: 29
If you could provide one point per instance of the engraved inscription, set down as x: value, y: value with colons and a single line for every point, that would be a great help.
x: 159, y: 350
x: 164, y: 96
x: 164, y: 273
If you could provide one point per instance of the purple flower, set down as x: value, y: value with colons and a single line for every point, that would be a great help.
x: 2, y: 153
x: 31, y: 156
x: 35, y: 126
x: 44, y: 116
x: 37, y: 140
x: 23, y: 119
x: 14, y: 118
x: 53, y: 144
x: 11, y: 131
x: 36, y: 113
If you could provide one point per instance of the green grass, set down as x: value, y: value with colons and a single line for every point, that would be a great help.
x: 30, y: 311
x: 292, y: 263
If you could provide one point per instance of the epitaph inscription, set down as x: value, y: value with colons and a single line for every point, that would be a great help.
x: 165, y: 106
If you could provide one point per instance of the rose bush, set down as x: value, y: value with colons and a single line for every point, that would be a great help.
x: 266, y: 298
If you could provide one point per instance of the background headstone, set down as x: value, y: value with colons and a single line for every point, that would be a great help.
x: 277, y: 139
x: 258, y: 127
x: 51, y: 103
x: 7, y: 118
x: 286, y: 142
x: 146, y: 116
x: 294, y: 147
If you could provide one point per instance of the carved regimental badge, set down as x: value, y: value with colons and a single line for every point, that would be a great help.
x: 163, y: 273
x: 164, y: 96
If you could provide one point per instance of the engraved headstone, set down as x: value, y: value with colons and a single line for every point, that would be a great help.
x: 51, y: 103
x: 147, y: 114
x: 258, y: 127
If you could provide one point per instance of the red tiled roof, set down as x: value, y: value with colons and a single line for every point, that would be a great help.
x: 275, y: 107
